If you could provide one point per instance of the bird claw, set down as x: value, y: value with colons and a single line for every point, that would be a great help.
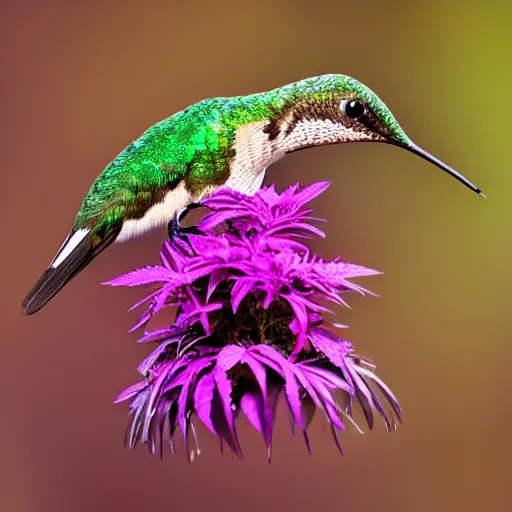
x: 174, y: 228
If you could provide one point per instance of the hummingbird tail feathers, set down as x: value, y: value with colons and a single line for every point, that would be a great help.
x: 78, y: 250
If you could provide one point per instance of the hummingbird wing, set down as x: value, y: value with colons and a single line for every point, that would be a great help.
x: 80, y: 247
x: 130, y: 187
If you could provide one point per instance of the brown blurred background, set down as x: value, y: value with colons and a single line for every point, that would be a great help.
x: 80, y: 80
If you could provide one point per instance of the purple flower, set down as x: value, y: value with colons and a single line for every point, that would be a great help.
x: 249, y: 328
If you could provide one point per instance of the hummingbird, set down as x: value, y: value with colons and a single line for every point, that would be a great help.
x: 218, y: 142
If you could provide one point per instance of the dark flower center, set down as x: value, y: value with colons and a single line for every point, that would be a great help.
x: 251, y: 324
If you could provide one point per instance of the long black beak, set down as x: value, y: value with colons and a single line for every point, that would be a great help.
x: 432, y: 159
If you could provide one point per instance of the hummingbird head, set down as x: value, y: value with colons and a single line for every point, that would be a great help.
x: 337, y: 108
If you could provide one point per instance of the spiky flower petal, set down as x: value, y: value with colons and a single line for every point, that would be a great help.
x: 249, y: 327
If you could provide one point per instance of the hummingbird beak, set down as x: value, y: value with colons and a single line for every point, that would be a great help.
x: 413, y: 148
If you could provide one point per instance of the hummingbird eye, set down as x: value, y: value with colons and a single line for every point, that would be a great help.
x: 353, y: 109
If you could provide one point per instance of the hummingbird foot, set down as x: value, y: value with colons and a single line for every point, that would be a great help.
x: 176, y: 230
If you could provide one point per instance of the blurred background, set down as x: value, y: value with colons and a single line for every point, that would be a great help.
x: 80, y: 80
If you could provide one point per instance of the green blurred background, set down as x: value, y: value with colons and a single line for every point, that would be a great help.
x: 80, y: 80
